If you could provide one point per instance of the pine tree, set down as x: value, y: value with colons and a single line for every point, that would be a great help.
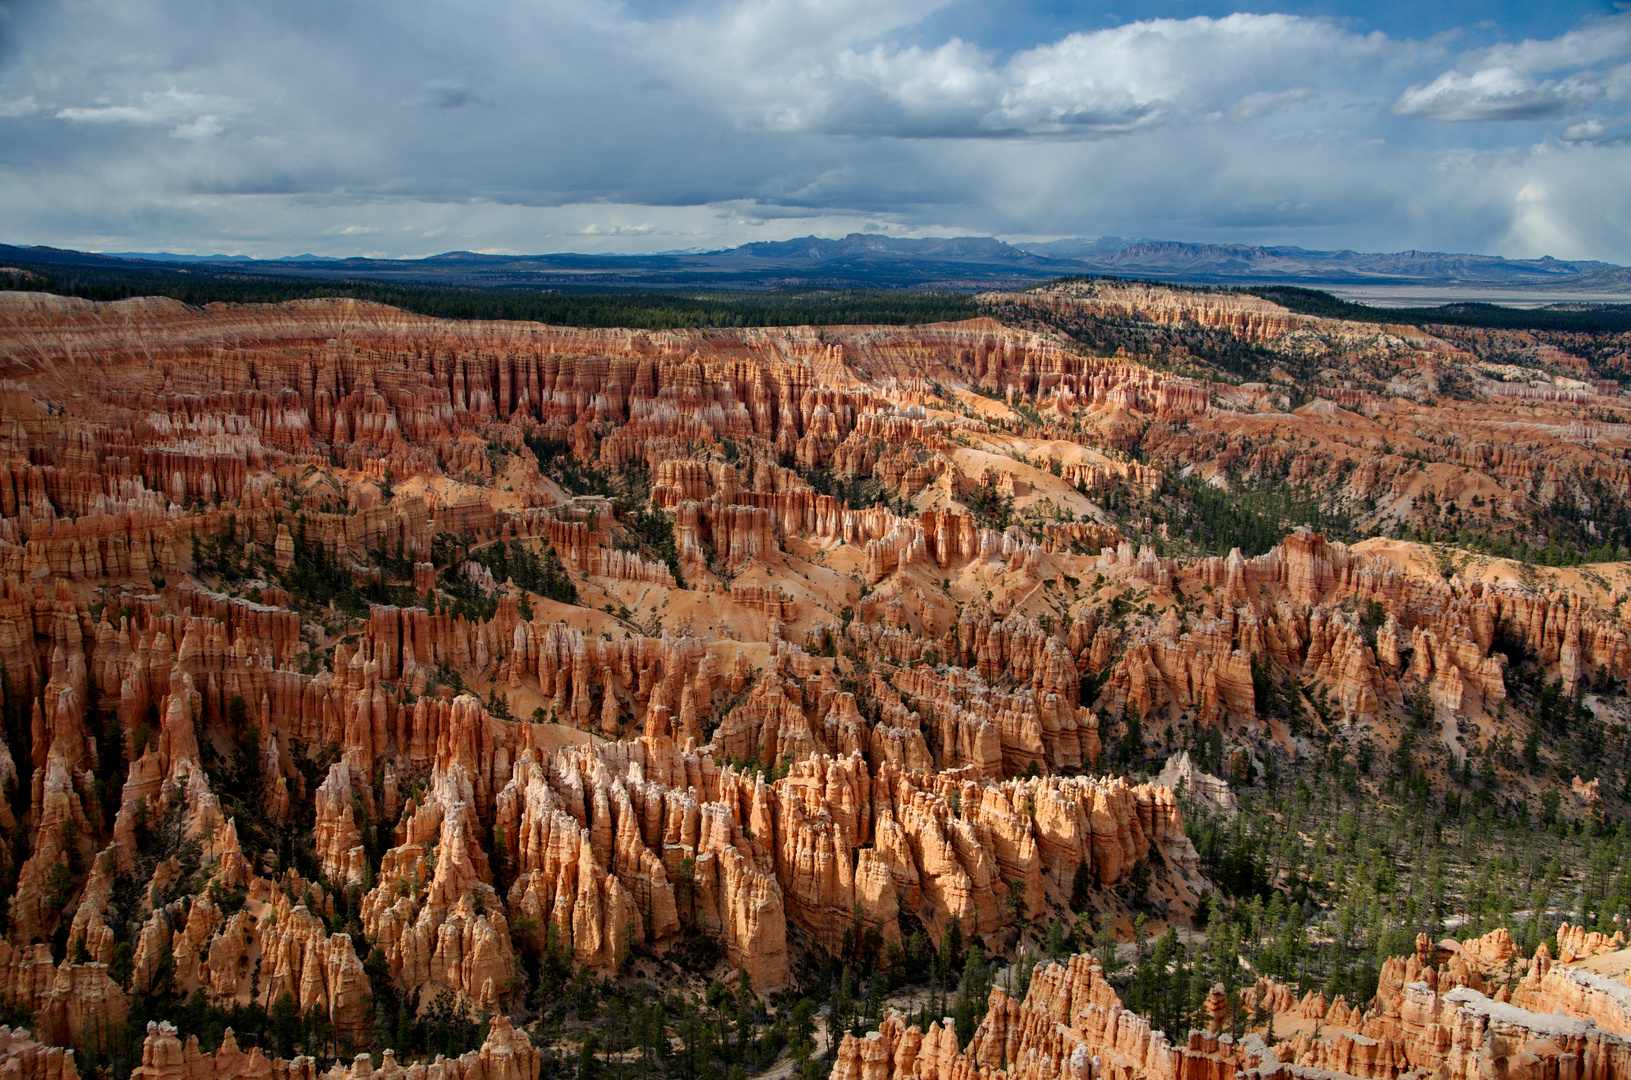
x: 1081, y: 888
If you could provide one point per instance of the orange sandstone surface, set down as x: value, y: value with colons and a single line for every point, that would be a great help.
x: 804, y: 714
x: 1466, y: 1010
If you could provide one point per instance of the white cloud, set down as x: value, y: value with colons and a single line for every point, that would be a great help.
x: 1604, y: 39
x: 1585, y: 131
x: 597, y: 229
x: 1144, y: 72
x: 1498, y: 93
x: 162, y: 107
x: 1508, y: 81
x: 1106, y: 82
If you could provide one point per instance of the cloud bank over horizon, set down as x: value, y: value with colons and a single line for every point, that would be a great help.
x: 528, y: 126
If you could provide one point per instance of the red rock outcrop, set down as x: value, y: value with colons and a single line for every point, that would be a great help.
x: 256, y: 552
x: 434, y: 911
x: 25, y: 1058
x: 1423, y: 1022
x: 507, y: 1054
x: 1071, y: 1026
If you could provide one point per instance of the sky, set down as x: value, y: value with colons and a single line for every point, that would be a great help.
x: 404, y: 128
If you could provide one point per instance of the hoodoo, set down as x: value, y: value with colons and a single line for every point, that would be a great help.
x: 386, y: 696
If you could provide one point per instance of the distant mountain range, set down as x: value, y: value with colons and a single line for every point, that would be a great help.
x: 1283, y: 265
x: 863, y: 260
x: 165, y: 256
